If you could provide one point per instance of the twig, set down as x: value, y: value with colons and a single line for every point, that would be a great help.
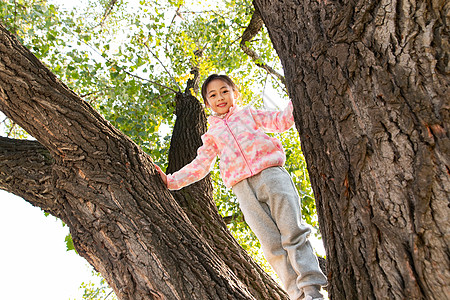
x: 11, y: 129
x: 161, y: 96
x: 167, y: 71
x: 151, y: 81
x: 88, y: 94
x: 108, y: 295
x: 237, y: 216
x: 106, y: 13
x: 15, y: 17
x: 177, y: 13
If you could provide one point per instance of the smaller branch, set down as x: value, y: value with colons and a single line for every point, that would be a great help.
x: 108, y: 295
x: 264, y: 92
x: 237, y: 216
x: 266, y: 97
x: 177, y: 13
x: 193, y: 83
x: 216, y: 12
x: 250, y: 32
x: 88, y: 94
x: 15, y: 17
x: 161, y: 96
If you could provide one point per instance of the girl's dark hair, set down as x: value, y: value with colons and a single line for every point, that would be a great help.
x: 212, y: 77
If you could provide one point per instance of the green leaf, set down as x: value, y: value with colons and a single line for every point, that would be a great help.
x: 69, y: 243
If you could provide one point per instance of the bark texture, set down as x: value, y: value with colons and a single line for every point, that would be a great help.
x: 26, y: 169
x: 370, y: 85
x: 122, y: 218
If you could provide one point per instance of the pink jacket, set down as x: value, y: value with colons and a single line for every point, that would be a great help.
x: 240, y: 142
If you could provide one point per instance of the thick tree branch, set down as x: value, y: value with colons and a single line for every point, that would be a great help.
x: 35, y: 99
x: 26, y: 171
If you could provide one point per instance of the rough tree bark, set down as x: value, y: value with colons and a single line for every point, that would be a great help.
x: 121, y: 217
x: 370, y: 85
x: 26, y: 169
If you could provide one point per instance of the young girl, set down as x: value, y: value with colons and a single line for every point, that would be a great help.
x: 251, y: 164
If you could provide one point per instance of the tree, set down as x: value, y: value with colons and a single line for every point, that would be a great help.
x: 371, y: 110
x: 116, y: 112
x: 369, y: 82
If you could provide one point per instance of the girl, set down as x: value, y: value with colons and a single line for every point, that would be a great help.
x: 251, y: 164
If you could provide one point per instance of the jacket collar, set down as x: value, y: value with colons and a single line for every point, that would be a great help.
x: 212, y: 119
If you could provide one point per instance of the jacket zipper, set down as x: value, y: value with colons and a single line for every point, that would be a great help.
x: 239, y: 146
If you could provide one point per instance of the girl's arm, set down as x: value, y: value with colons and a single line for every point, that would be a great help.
x: 195, y: 170
x: 274, y: 121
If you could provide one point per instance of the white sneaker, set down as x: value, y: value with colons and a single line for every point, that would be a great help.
x: 312, y: 292
x: 311, y: 298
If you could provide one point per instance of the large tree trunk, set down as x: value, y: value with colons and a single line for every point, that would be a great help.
x: 121, y: 217
x: 370, y: 86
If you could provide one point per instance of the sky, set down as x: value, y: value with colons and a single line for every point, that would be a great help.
x: 34, y: 262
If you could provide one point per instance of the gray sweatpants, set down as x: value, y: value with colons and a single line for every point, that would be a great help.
x: 270, y: 204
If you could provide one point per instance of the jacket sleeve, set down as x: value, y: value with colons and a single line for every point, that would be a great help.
x: 274, y: 121
x: 197, y: 169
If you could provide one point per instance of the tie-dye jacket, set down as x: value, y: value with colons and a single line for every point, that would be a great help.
x: 240, y: 142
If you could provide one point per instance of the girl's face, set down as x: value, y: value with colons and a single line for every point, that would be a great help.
x: 220, y: 96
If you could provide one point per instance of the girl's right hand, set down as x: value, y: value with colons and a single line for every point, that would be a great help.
x: 162, y: 174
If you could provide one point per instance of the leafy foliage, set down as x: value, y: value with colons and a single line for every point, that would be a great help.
x: 98, y: 290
